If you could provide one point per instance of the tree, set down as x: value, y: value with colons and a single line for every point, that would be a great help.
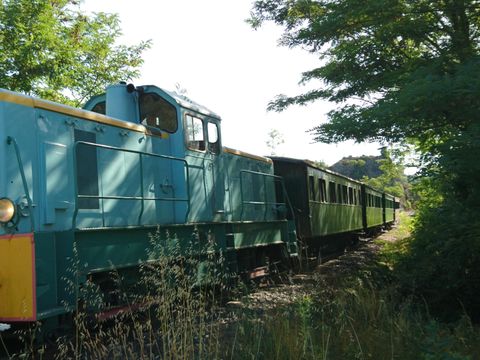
x: 274, y: 139
x: 398, y: 69
x: 321, y: 164
x: 52, y: 50
x: 392, y: 178
x: 357, y: 167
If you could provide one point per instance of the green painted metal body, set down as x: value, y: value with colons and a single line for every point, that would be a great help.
x: 69, y: 258
x: 389, y: 208
x: 92, y: 189
x: 372, y: 207
x: 325, y: 203
x: 327, y: 217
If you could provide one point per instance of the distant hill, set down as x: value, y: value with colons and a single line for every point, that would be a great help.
x: 358, y: 167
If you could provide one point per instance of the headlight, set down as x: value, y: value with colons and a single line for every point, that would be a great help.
x: 7, y: 210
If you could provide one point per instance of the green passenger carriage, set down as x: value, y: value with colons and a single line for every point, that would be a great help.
x: 373, y: 214
x: 326, y: 205
x: 389, y: 207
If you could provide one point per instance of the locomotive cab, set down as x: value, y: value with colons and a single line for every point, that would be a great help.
x: 145, y: 105
x: 175, y: 126
x: 163, y: 113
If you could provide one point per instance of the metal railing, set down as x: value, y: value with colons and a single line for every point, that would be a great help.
x: 141, y: 198
x: 12, y: 141
x: 265, y: 201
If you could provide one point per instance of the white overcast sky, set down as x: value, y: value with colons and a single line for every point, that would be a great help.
x: 207, y: 48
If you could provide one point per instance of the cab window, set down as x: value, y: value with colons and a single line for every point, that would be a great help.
x: 194, y: 129
x: 156, y: 112
x: 100, y: 108
x: 213, y: 138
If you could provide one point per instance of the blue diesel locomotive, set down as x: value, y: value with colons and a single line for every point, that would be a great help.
x: 88, y: 186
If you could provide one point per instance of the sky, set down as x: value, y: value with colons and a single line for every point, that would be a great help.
x: 208, y: 49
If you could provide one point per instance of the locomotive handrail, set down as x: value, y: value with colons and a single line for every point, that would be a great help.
x: 115, y: 197
x: 11, y: 140
x: 265, y: 202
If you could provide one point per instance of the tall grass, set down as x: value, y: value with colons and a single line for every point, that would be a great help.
x: 355, y: 322
x: 356, y: 315
x: 169, y: 313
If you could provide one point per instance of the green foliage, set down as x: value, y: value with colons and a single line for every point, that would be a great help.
x: 385, y: 172
x: 392, y: 178
x: 321, y: 164
x: 52, y: 50
x: 443, y: 261
x: 274, y: 139
x: 397, y: 68
x: 358, y: 167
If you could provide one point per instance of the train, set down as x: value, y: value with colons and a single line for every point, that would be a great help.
x: 87, y: 186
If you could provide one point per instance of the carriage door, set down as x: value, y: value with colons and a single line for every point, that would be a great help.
x: 214, y: 171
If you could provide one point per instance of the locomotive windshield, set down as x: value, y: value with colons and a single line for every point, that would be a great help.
x: 157, y: 112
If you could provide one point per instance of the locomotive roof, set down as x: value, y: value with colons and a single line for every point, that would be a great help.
x: 189, y: 103
x: 180, y: 99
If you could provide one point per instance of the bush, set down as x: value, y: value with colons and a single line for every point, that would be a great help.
x: 442, y: 264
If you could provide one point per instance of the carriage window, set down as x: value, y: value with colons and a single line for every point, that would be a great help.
x: 311, y: 184
x: 350, y: 196
x: 213, y: 139
x: 195, y: 137
x: 344, y: 194
x: 322, y: 186
x: 332, y: 192
x: 156, y: 112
